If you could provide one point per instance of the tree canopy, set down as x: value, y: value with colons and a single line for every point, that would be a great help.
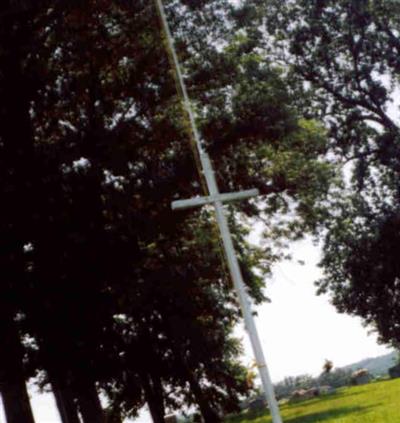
x: 343, y: 57
x: 104, y: 288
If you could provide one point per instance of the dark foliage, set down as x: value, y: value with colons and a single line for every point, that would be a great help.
x: 104, y: 288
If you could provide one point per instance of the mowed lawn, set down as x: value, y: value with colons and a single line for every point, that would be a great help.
x: 377, y: 402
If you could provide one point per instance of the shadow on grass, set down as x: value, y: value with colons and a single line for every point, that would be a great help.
x: 328, y: 414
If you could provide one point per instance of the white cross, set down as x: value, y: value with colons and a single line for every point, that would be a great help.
x: 211, y: 199
x: 217, y: 199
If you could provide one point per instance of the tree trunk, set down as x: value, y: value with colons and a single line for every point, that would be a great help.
x: 16, y: 158
x: 12, y: 378
x: 208, y: 413
x: 154, y: 398
x: 66, y: 405
x: 16, y: 403
x: 89, y: 404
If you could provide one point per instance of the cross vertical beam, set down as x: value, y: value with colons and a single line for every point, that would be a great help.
x: 216, y: 199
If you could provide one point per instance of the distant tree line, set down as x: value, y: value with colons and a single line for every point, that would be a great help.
x: 334, y: 379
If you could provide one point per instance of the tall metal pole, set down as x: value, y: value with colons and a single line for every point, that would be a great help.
x: 233, y: 264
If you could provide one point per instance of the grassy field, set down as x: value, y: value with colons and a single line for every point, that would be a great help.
x: 377, y: 402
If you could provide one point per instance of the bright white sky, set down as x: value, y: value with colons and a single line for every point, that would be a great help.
x: 299, y: 330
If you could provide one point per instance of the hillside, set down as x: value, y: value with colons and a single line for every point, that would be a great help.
x: 373, y: 403
x: 376, y: 365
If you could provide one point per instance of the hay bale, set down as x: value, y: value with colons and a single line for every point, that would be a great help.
x: 361, y: 377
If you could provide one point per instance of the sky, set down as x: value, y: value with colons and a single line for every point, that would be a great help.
x: 299, y: 329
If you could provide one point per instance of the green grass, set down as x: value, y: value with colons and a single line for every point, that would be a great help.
x: 377, y: 402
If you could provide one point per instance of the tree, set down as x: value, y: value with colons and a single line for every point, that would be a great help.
x: 18, y: 88
x: 336, y: 378
x: 343, y: 57
x: 107, y: 267
x: 328, y: 366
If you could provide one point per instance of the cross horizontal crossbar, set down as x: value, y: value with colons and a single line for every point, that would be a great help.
x: 210, y: 199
